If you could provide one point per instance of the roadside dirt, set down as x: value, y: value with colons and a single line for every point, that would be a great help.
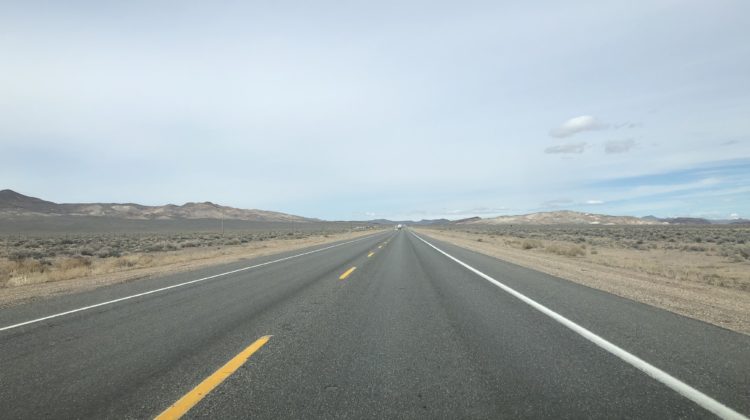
x: 725, y: 307
x: 167, y: 263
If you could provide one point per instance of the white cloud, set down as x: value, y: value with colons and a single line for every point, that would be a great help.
x: 566, y: 148
x: 289, y: 103
x: 557, y: 203
x: 619, y: 146
x: 734, y: 216
x: 576, y: 125
x: 626, y: 125
x: 594, y: 202
x: 477, y: 210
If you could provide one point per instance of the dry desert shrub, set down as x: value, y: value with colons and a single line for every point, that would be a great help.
x: 40, y: 259
x: 27, y: 271
x: 712, y: 254
x: 568, y: 250
x: 531, y: 244
x: 726, y: 240
x: 73, y: 263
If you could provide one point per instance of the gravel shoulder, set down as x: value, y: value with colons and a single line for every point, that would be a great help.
x: 725, y: 307
x: 166, y: 263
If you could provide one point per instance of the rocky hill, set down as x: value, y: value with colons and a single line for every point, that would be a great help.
x: 16, y: 204
x: 563, y: 218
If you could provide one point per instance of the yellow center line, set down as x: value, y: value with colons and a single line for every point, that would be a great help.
x: 380, y: 246
x: 347, y: 272
x: 184, y: 404
x: 370, y: 254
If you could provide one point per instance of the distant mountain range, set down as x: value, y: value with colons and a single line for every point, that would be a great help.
x: 13, y: 204
x: 567, y: 217
x: 411, y: 222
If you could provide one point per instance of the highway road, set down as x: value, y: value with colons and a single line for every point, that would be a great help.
x: 386, y: 326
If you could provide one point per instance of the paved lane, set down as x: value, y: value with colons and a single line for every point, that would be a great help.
x: 408, y: 333
x: 133, y: 358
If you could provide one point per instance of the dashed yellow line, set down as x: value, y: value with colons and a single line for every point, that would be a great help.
x: 380, y: 246
x: 370, y: 254
x: 184, y: 404
x: 347, y: 273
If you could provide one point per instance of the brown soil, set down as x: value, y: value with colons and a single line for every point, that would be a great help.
x: 160, y: 264
x: 622, y: 273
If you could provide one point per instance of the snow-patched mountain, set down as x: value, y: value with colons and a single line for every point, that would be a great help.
x: 565, y: 217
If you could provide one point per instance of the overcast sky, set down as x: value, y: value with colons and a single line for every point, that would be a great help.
x: 370, y: 109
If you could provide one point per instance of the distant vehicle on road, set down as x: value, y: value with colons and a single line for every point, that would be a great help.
x: 399, y: 226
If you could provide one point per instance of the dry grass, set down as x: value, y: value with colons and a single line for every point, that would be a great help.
x: 701, y: 272
x: 716, y: 255
x: 568, y: 250
x: 41, y: 259
x: 24, y: 278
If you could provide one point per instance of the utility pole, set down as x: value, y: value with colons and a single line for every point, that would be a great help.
x: 222, y: 224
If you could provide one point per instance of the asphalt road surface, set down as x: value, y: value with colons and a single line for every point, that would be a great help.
x: 412, y: 332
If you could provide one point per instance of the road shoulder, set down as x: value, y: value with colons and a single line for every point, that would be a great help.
x: 722, y: 307
x: 190, y: 261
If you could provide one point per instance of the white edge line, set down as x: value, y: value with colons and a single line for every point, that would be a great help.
x: 109, y: 302
x: 670, y: 381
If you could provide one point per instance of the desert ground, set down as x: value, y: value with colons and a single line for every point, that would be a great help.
x: 45, y: 263
x: 699, y: 271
